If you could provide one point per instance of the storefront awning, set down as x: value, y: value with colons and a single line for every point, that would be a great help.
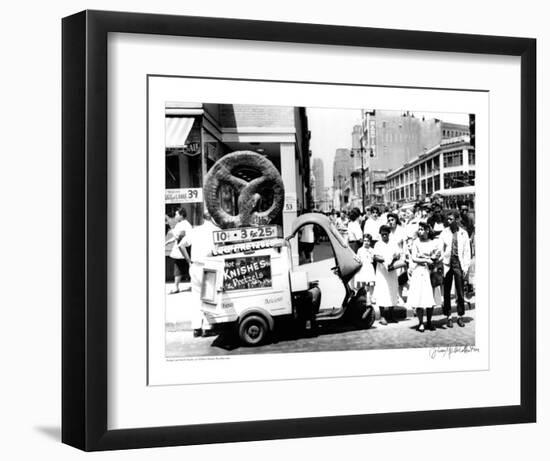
x: 177, y: 130
x: 466, y: 190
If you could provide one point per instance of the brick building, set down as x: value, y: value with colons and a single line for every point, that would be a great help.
x: 197, y: 135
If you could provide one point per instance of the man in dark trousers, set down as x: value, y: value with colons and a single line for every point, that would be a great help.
x: 456, y: 261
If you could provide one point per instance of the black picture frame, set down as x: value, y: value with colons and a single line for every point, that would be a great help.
x: 84, y: 226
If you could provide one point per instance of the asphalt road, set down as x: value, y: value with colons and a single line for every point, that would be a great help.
x: 331, y: 337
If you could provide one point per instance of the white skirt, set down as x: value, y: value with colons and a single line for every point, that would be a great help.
x: 366, y: 273
x: 386, y: 290
x: 421, y: 293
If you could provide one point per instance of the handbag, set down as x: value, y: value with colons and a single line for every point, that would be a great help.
x: 436, y: 275
x: 403, y: 278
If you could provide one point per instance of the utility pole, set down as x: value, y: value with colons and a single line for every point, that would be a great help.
x: 361, y: 150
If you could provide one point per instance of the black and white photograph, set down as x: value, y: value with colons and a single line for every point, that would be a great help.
x: 269, y: 230
x: 295, y: 229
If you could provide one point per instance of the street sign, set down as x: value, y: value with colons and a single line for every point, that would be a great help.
x: 290, y: 203
x: 188, y: 195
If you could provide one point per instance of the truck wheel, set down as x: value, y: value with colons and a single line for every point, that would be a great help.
x: 253, y: 330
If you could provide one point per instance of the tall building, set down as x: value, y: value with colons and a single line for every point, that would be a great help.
x: 341, y: 178
x: 397, y: 137
x: 392, y: 139
x: 318, y: 189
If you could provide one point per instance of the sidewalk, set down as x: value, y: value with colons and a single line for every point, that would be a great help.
x: 402, y: 312
x: 178, y: 308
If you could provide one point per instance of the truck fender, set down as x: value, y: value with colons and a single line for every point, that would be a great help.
x: 258, y: 311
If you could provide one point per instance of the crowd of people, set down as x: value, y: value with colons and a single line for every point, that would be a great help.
x: 416, y: 253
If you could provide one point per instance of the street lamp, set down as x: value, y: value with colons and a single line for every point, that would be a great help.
x: 340, y: 177
x: 361, y: 152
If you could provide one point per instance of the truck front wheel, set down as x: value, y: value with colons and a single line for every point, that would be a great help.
x: 253, y: 330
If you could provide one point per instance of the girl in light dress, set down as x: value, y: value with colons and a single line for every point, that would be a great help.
x: 386, y: 288
x: 366, y: 276
x: 424, y: 253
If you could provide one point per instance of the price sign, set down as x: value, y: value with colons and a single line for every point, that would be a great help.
x: 247, y: 273
x: 189, y: 195
x: 244, y: 234
x: 290, y: 203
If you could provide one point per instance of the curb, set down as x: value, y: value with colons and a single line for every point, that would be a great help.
x: 401, y: 312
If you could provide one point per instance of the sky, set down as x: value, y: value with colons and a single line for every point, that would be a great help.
x: 331, y: 129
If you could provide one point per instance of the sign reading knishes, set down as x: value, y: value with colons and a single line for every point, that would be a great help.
x: 188, y: 195
x: 244, y: 234
x: 247, y: 272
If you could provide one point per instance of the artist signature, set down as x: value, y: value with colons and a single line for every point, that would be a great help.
x: 449, y: 351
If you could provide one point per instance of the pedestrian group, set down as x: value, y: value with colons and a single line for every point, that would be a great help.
x: 420, y: 251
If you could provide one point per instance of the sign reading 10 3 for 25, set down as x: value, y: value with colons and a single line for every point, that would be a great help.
x: 188, y: 195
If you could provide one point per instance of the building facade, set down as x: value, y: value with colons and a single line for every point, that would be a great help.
x: 389, y: 140
x: 341, y: 179
x: 318, y: 188
x: 197, y: 135
x: 447, y: 168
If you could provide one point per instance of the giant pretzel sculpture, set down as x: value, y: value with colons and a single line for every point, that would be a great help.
x: 249, y: 192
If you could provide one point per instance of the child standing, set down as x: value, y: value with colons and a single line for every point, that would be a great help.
x: 366, y: 276
x: 421, y: 297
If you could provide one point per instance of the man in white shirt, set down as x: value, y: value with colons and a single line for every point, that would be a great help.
x: 355, y: 234
x: 307, y: 242
x: 456, y: 261
x: 202, y: 241
x: 181, y: 250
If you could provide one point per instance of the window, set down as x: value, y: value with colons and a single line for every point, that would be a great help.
x: 459, y: 179
x: 471, y: 157
x: 437, y: 182
x: 451, y: 159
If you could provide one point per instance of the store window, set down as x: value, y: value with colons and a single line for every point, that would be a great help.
x: 459, y: 179
x: 452, y: 159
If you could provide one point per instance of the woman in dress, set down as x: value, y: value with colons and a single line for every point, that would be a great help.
x: 366, y: 276
x: 386, y: 288
x: 424, y: 253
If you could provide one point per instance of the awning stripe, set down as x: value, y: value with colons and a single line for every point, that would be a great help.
x: 177, y: 130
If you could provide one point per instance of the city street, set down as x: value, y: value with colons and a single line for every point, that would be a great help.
x: 331, y: 338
